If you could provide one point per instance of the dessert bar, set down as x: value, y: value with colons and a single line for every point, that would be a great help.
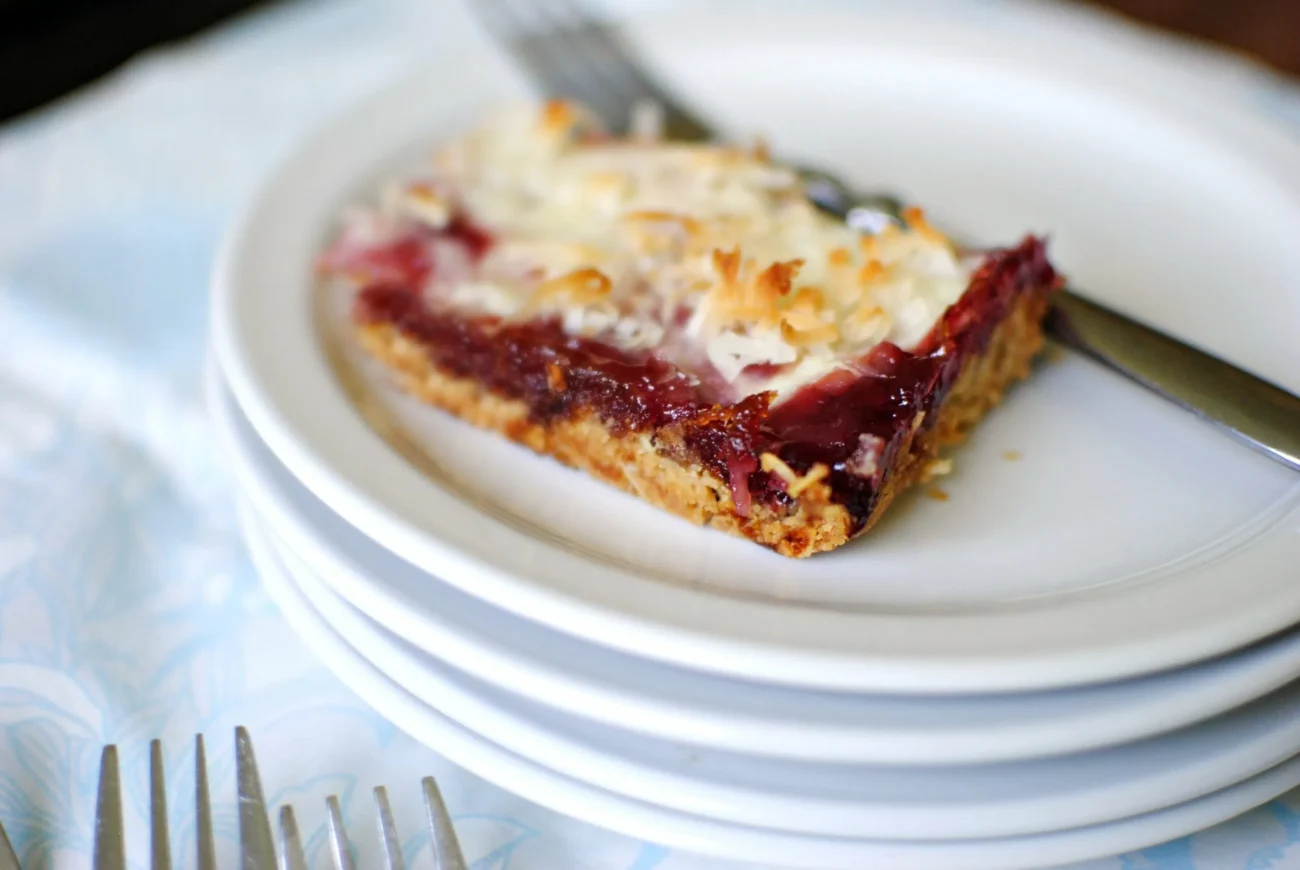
x: 677, y: 319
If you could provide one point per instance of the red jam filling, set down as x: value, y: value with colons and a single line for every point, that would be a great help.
x: 557, y: 375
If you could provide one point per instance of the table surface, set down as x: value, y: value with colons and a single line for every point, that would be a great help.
x: 128, y: 607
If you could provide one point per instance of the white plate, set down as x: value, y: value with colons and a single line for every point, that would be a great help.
x: 1129, y: 539
x: 835, y: 799
x: 872, y: 801
x: 675, y: 704
x: 546, y: 786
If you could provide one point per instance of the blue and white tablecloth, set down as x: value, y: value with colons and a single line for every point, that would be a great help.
x: 128, y: 608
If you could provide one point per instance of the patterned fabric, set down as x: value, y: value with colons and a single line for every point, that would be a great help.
x: 128, y: 608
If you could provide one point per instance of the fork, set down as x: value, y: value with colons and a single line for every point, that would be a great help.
x: 8, y: 858
x: 570, y: 53
x: 256, y: 846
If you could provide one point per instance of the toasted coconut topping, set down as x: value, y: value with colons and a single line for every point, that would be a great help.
x: 742, y: 295
x: 555, y: 378
x: 421, y: 202
x: 936, y: 468
x: 579, y: 287
x: 708, y: 252
x: 795, y: 483
x: 561, y: 117
x: 689, y: 224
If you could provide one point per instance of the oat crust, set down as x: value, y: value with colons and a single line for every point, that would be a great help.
x: 632, y: 462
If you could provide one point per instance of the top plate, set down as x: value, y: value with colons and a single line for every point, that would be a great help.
x: 1127, y: 539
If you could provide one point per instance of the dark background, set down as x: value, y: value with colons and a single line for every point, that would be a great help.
x: 49, y: 47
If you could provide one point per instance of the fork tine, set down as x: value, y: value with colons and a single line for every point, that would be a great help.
x: 388, y: 831
x: 8, y: 859
x: 339, y: 844
x: 605, y: 75
x: 575, y: 54
x: 110, y: 843
x: 160, y: 850
x: 442, y: 835
x: 257, y: 852
x: 606, y: 54
x: 291, y: 854
x: 204, y: 845
x: 555, y: 70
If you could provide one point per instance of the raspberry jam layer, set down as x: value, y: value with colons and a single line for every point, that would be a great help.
x: 852, y: 422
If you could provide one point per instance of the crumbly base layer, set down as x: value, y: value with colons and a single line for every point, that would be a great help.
x: 633, y: 462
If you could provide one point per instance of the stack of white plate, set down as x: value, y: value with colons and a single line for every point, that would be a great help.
x: 1085, y: 649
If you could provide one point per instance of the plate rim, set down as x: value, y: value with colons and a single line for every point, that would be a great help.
x: 686, y: 626
x: 739, y: 804
x: 551, y: 788
x: 420, y: 626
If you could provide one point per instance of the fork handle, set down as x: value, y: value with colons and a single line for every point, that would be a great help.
x: 1254, y: 411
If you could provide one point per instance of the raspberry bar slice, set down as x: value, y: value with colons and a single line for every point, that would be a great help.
x: 679, y: 320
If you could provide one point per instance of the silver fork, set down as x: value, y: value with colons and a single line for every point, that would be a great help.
x: 570, y: 53
x: 256, y: 846
x: 445, y: 848
x: 110, y: 833
x: 8, y: 858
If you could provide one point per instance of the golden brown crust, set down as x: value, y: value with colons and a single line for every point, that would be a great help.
x: 633, y: 462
